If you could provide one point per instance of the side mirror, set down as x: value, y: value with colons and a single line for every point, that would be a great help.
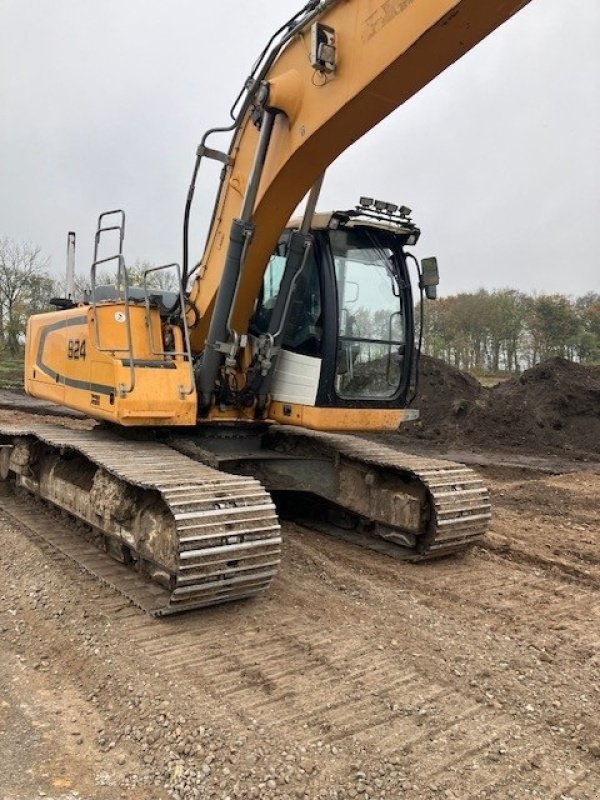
x: 430, y: 277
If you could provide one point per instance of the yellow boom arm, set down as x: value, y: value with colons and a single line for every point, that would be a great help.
x: 385, y: 51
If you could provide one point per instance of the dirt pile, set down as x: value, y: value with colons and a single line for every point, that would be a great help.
x: 445, y: 397
x: 553, y: 407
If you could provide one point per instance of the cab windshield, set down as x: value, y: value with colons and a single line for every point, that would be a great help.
x: 372, y: 332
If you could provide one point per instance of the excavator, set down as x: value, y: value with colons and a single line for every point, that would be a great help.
x: 261, y: 379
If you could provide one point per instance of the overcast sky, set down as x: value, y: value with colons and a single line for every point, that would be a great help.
x: 103, y: 102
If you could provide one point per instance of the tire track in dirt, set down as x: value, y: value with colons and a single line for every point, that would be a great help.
x: 430, y: 727
x: 373, y: 658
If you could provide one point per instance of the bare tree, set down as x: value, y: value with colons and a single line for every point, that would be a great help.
x: 25, y: 288
x: 165, y: 280
x: 80, y: 287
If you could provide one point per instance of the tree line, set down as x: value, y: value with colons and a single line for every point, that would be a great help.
x: 508, y: 330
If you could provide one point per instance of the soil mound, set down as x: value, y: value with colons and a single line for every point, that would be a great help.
x: 553, y: 406
x: 445, y: 397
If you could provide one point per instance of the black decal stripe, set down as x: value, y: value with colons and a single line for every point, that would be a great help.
x: 137, y: 362
x: 71, y: 382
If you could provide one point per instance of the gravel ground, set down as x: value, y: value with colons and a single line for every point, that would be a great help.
x: 355, y: 677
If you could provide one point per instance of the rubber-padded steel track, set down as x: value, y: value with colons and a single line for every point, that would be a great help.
x: 228, y: 534
x: 459, y: 502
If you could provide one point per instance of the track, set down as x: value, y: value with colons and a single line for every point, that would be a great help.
x: 455, y: 509
x: 196, y: 536
x: 193, y: 535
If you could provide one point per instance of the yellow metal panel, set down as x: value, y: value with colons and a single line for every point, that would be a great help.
x: 63, y: 364
x: 337, y: 419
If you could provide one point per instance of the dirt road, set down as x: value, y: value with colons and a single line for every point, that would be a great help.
x: 355, y: 677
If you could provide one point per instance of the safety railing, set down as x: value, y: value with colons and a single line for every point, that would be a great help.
x: 161, y: 351
x: 122, y: 284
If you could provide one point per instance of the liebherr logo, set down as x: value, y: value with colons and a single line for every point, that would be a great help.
x: 385, y: 13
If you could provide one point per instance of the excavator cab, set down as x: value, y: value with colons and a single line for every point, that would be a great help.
x: 348, y: 334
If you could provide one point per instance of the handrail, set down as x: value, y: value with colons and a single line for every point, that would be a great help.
x: 122, y: 279
x: 187, y: 353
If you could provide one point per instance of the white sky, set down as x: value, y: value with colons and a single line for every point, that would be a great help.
x: 103, y: 103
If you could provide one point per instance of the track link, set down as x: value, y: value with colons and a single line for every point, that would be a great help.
x: 195, y: 536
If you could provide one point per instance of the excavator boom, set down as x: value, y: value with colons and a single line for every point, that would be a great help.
x: 381, y: 54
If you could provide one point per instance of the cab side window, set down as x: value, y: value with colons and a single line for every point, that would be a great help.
x: 304, y: 326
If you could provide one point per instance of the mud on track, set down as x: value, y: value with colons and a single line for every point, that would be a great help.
x: 356, y: 676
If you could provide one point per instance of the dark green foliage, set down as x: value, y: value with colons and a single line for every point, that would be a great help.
x: 507, y: 330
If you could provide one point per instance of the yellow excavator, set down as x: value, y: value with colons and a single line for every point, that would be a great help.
x: 251, y: 380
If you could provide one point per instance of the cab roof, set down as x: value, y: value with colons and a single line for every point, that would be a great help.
x: 322, y: 220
